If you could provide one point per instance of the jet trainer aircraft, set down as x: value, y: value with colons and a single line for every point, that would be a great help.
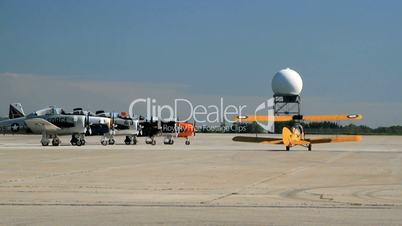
x: 51, y: 122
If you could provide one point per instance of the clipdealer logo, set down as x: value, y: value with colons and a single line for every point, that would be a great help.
x: 266, y: 108
x: 219, y: 113
x: 199, y: 113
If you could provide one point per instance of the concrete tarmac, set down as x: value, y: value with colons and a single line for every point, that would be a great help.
x: 214, y: 181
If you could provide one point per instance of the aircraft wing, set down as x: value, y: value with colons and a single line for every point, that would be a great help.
x: 39, y: 124
x: 285, y: 118
x: 261, y: 140
x: 340, y: 117
x: 334, y: 139
x: 263, y: 118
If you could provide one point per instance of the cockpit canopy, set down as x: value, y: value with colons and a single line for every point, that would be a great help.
x: 47, y: 111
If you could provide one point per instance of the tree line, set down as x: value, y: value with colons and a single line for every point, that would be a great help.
x: 310, y: 128
x: 325, y: 127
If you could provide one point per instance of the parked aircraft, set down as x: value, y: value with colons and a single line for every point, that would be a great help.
x: 51, y: 122
x: 94, y: 124
x: 120, y: 125
x: 167, y: 128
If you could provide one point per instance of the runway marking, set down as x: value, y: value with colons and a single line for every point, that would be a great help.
x: 360, y: 194
x: 202, y: 206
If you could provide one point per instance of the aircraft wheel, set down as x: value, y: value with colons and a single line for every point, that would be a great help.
x: 104, y: 142
x: 56, y: 142
x: 309, y: 147
x: 127, y: 141
x: 73, y: 141
x: 134, y: 141
x: 111, y: 141
x: 79, y: 143
x: 171, y: 142
x: 167, y: 141
x: 153, y: 142
x: 45, y: 143
x: 287, y: 148
x: 187, y: 142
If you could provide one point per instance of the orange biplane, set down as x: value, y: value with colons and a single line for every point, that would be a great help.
x: 295, y: 135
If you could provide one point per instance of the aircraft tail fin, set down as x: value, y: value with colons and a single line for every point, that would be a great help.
x: 16, y: 111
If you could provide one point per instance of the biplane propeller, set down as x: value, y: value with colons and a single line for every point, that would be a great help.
x: 295, y: 135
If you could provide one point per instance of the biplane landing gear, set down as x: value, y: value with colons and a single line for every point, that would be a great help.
x: 309, y: 147
x: 287, y: 148
x: 187, y: 142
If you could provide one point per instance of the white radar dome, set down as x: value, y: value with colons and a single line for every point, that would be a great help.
x: 287, y: 82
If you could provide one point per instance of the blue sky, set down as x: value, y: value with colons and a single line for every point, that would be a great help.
x: 347, y: 51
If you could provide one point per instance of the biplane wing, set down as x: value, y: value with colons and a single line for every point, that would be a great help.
x: 268, y: 140
x: 286, y: 118
x: 336, y: 139
x: 340, y: 117
x: 263, y: 118
x: 261, y: 140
